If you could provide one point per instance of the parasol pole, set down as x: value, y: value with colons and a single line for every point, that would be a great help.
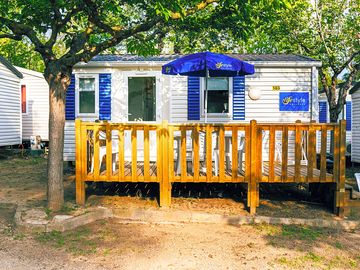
x: 206, y: 91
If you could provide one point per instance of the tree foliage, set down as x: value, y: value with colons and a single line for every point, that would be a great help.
x: 327, y: 30
x: 21, y: 54
x: 65, y: 32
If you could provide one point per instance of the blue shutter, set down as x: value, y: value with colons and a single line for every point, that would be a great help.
x: 193, y: 98
x: 105, y: 96
x: 348, y: 115
x: 322, y: 112
x: 70, y: 100
x: 239, y: 98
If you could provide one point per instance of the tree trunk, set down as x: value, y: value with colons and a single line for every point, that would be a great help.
x: 58, y: 84
x: 334, y: 114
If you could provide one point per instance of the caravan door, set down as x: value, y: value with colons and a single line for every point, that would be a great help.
x: 144, y: 105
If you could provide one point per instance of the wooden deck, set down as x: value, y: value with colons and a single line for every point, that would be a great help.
x: 282, y: 160
x: 140, y: 169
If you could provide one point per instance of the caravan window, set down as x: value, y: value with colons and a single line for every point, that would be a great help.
x: 87, y: 95
x: 218, y: 95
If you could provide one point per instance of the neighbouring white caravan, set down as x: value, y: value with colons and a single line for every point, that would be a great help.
x: 355, y: 145
x: 126, y: 88
x: 35, y: 110
x: 10, y: 104
x: 346, y: 114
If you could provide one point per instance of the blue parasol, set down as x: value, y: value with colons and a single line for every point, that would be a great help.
x: 208, y: 64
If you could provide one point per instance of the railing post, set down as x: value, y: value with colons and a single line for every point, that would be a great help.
x: 165, y: 185
x: 253, y: 194
x: 80, y: 184
x: 340, y: 185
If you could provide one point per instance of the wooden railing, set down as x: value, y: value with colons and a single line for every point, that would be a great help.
x: 240, y: 153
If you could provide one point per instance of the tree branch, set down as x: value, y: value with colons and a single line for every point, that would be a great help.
x: 95, y: 49
x: 19, y: 29
x: 338, y: 71
x: 119, y: 34
x: 343, y: 90
x: 10, y: 36
x: 95, y: 18
x: 320, y: 29
x: 61, y: 21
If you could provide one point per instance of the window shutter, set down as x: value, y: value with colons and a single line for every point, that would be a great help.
x: 105, y: 96
x: 239, y: 98
x: 70, y: 100
x: 348, y: 115
x: 23, y: 98
x: 322, y: 112
x: 193, y: 98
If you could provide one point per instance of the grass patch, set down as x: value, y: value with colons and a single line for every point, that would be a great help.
x: 78, y: 242
x: 299, y: 262
x: 316, y: 261
x: 301, y: 232
x: 55, y: 238
x: 291, y: 231
x: 338, y: 245
x: 268, y: 228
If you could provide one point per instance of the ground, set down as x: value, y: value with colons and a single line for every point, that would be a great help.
x: 108, y: 244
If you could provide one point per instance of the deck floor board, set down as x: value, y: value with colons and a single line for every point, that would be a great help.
x: 228, y: 172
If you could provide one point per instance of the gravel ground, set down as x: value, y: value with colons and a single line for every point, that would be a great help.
x: 110, y: 245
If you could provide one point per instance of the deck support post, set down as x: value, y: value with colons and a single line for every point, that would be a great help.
x: 340, y: 184
x: 165, y: 185
x: 80, y: 184
x: 255, y: 169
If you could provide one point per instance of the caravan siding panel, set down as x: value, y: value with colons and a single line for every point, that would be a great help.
x: 266, y: 109
x: 10, y: 113
x: 36, y: 119
x: 69, y: 141
x: 355, y: 145
x: 178, y: 101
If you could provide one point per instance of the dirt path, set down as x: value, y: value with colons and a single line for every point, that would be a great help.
x: 110, y: 245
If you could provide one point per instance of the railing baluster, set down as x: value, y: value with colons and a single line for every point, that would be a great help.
x: 171, y: 154
x: 183, y: 154
x: 323, y: 153
x: 146, y: 154
x: 234, y: 154
x: 221, y: 154
x: 96, y: 157
x: 108, y: 152
x: 121, y: 174
x: 298, y: 144
x: 134, y: 154
x: 196, y: 153
x: 208, y: 140
x: 284, y: 159
x: 259, y: 156
x: 272, y: 154
x: 84, y: 148
x: 159, y: 160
